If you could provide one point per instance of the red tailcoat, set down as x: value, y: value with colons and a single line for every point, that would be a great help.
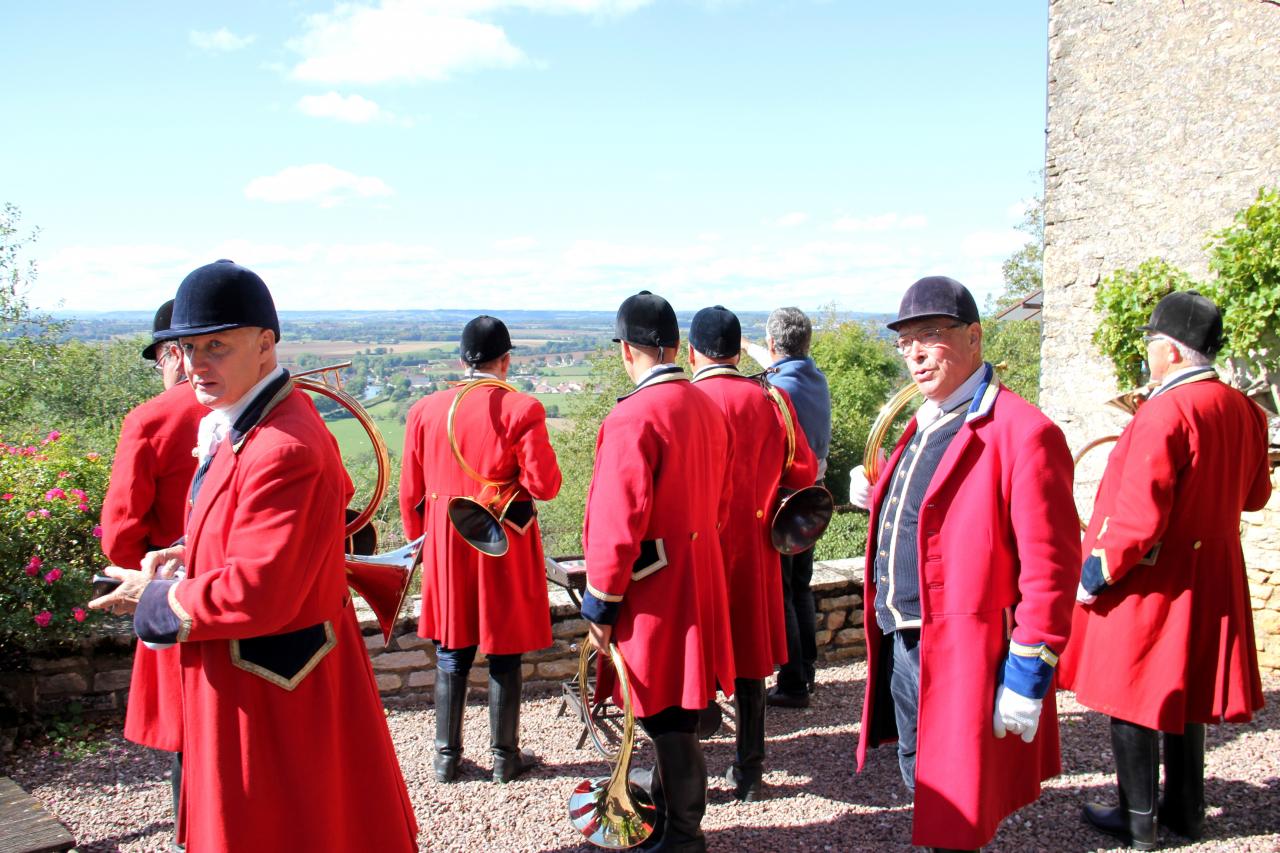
x: 662, y: 459
x: 270, y: 764
x: 1170, y: 642
x: 144, y: 509
x: 999, y: 553
x: 469, y: 598
x: 758, y: 439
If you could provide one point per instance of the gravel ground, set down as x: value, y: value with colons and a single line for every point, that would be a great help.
x: 118, y: 798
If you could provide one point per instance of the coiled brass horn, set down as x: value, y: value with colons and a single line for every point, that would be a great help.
x: 382, y: 580
x: 1128, y: 402
x: 611, y: 812
x: 880, y: 428
x: 479, y: 521
x: 802, y: 516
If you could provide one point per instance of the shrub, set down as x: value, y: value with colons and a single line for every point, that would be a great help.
x: 1126, y: 299
x: 50, y: 505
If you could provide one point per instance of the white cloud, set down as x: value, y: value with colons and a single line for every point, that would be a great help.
x: 349, y: 108
x: 515, y: 244
x: 398, y: 41
x: 791, y: 220
x: 992, y: 244
x: 316, y: 182
x: 219, y: 41
x: 879, y: 223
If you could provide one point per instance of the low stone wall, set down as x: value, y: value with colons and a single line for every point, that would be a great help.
x: 405, y: 668
x: 1262, y: 556
x: 94, y: 678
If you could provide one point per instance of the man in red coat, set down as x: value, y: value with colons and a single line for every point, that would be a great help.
x: 471, y: 600
x: 143, y: 511
x: 970, y: 569
x: 655, y: 581
x: 1163, y: 636
x: 758, y: 437
x: 285, y: 743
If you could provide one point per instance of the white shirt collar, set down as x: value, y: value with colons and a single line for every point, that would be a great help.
x: 1173, y: 377
x: 930, y: 411
x: 215, y: 425
x: 657, y: 368
x: 480, y: 374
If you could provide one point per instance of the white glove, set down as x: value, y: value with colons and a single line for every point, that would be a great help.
x: 1084, y: 596
x: 859, y: 488
x: 1017, y: 714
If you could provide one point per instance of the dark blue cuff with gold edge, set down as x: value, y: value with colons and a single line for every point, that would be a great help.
x: 1028, y: 670
x: 599, y: 611
x: 1091, y: 577
x: 153, y: 620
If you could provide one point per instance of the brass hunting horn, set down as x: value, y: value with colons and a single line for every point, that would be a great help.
x: 611, y: 812
x: 479, y: 520
x: 1128, y: 402
x: 382, y: 580
x: 880, y: 427
x: 803, y: 515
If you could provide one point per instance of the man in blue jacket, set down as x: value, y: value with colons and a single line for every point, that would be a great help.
x: 788, y: 334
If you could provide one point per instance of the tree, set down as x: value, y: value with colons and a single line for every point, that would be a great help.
x: 28, y: 340
x: 1126, y: 299
x: 1015, y: 344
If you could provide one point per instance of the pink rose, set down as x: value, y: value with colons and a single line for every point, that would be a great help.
x: 7, y: 496
x: 43, y: 618
x: 79, y: 493
x: 93, y: 457
x: 32, y: 513
x: 54, y: 494
x: 62, y: 475
x: 54, y: 435
x: 79, y: 614
x: 44, y: 513
x: 52, y: 575
x: 97, y: 531
x: 35, y: 563
x: 32, y: 569
x: 82, y: 506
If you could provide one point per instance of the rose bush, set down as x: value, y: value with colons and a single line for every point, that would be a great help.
x: 51, y: 493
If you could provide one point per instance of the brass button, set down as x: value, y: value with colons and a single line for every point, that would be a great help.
x: 433, y: 496
x: 884, y: 553
x: 893, y: 500
x: 1197, y: 545
x: 693, y: 537
x: 759, y: 513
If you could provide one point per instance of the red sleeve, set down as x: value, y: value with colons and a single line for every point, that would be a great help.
x: 276, y: 541
x: 619, y: 503
x: 412, y: 480
x: 1260, y: 489
x: 804, y: 468
x: 1042, y: 513
x: 1159, y: 449
x: 130, y: 495
x: 539, y: 470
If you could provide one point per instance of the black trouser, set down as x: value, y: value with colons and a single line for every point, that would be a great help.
x: 797, y: 673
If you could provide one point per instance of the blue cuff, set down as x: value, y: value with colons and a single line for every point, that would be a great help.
x: 1091, y: 577
x: 1028, y: 671
x: 599, y: 611
x: 153, y: 620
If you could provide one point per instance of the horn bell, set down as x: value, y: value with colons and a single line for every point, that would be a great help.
x: 383, y: 581
x: 479, y: 526
x: 801, y: 519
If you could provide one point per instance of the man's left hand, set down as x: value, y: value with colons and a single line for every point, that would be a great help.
x: 1016, y: 714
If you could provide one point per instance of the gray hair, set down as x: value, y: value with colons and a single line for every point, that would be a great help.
x: 1193, y: 357
x: 791, y: 331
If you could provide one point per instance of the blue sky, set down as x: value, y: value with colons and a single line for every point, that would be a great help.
x: 522, y: 153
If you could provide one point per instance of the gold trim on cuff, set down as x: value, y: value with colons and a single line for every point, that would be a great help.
x: 184, y: 618
x: 603, y: 596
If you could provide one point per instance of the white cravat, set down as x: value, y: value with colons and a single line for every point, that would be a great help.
x: 930, y: 411
x: 215, y: 425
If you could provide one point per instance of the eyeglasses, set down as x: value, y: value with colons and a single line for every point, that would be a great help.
x: 926, y: 337
x: 161, y: 358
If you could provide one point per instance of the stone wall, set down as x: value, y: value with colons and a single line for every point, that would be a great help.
x: 1162, y: 123
x: 97, y: 677
x: 1262, y: 546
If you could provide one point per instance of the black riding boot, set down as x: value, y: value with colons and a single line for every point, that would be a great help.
x: 451, y: 700
x: 1137, y: 753
x: 682, y: 780
x: 1182, y: 807
x: 747, y: 772
x: 509, y: 761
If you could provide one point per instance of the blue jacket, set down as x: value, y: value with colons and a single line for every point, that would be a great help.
x: 807, y: 387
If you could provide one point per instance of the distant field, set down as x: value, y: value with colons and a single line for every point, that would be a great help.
x: 351, y: 436
x: 579, y: 369
x: 569, y: 404
x: 290, y: 350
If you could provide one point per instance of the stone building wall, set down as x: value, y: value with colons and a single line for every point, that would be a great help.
x: 1163, y: 118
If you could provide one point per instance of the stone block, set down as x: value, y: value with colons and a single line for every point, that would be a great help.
x: 401, y: 660
x: 557, y: 670
x: 60, y: 684
x: 844, y: 653
x: 64, y: 664
x: 855, y: 615
x: 114, y: 679
x: 479, y: 676
x: 849, y: 636
x: 557, y: 650
x: 822, y: 637
x: 421, y: 678
x: 838, y: 602
x: 388, y: 682
x: 836, y: 619
x: 100, y: 702
x: 410, y: 641
x: 528, y: 671
x: 569, y: 629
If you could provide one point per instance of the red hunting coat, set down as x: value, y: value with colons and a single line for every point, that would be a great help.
x: 999, y: 556
x: 144, y: 509
x: 654, y: 510
x: 274, y: 763
x: 469, y: 598
x: 758, y: 439
x: 1170, y: 640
